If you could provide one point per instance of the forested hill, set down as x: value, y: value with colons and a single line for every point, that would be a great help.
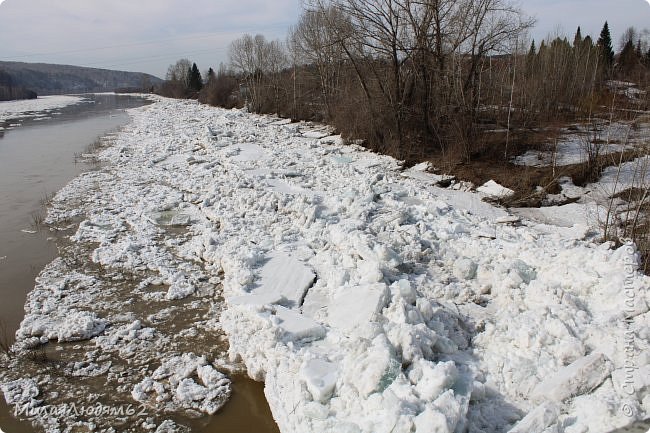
x: 48, y: 79
x: 10, y: 91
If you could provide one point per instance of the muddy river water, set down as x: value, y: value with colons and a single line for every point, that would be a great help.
x: 38, y: 158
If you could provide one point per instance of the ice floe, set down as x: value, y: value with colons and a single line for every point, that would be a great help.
x: 27, y: 107
x: 173, y: 385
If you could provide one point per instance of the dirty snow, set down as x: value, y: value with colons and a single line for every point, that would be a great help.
x: 365, y: 300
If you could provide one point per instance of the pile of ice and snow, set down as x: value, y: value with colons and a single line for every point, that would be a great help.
x: 367, y: 301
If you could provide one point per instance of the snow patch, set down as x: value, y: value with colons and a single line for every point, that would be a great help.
x: 494, y: 190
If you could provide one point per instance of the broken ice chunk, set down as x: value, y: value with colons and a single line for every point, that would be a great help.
x: 431, y: 379
x: 356, y: 306
x: 525, y: 272
x: 296, y: 326
x: 167, y: 426
x: 285, y: 276
x: 249, y: 152
x: 538, y: 419
x: 21, y: 392
x: 320, y: 377
x: 494, y: 190
x: 316, y: 133
x: 75, y: 326
x: 431, y: 420
x: 257, y: 299
x: 465, y: 269
x: 403, y: 289
x: 173, y: 385
x: 179, y: 288
x: 189, y: 391
x: 579, y: 377
x: 372, y: 367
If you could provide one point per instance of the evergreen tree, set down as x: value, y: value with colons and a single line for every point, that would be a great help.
x: 577, y: 40
x: 196, y: 81
x: 531, y: 60
x: 628, y: 59
x: 558, y: 44
x: 211, y: 78
x: 605, y: 45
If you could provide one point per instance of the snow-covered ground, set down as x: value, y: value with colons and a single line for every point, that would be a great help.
x: 575, y: 144
x: 35, y: 107
x: 367, y: 301
x: 592, y: 205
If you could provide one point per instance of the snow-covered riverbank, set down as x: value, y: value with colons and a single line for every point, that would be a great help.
x: 367, y: 301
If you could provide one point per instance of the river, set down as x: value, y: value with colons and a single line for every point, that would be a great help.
x: 38, y: 158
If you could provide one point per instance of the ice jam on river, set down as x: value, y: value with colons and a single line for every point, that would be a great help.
x: 364, y: 299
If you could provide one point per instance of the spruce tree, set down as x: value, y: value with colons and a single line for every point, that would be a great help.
x: 531, y: 59
x: 577, y: 40
x: 196, y: 81
x: 628, y: 59
x: 605, y: 45
x: 211, y: 78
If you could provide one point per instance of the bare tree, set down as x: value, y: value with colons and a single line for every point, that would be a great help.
x: 317, y: 40
x: 422, y: 59
x: 180, y: 71
x: 259, y: 61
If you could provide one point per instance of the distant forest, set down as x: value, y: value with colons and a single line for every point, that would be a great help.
x: 23, y: 80
x: 10, y: 91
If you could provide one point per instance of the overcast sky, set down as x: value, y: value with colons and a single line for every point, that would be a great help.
x: 148, y: 35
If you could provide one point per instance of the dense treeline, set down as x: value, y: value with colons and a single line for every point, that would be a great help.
x: 10, y: 91
x: 416, y: 78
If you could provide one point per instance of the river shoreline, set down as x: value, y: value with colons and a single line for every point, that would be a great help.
x: 217, y: 243
x: 61, y: 360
